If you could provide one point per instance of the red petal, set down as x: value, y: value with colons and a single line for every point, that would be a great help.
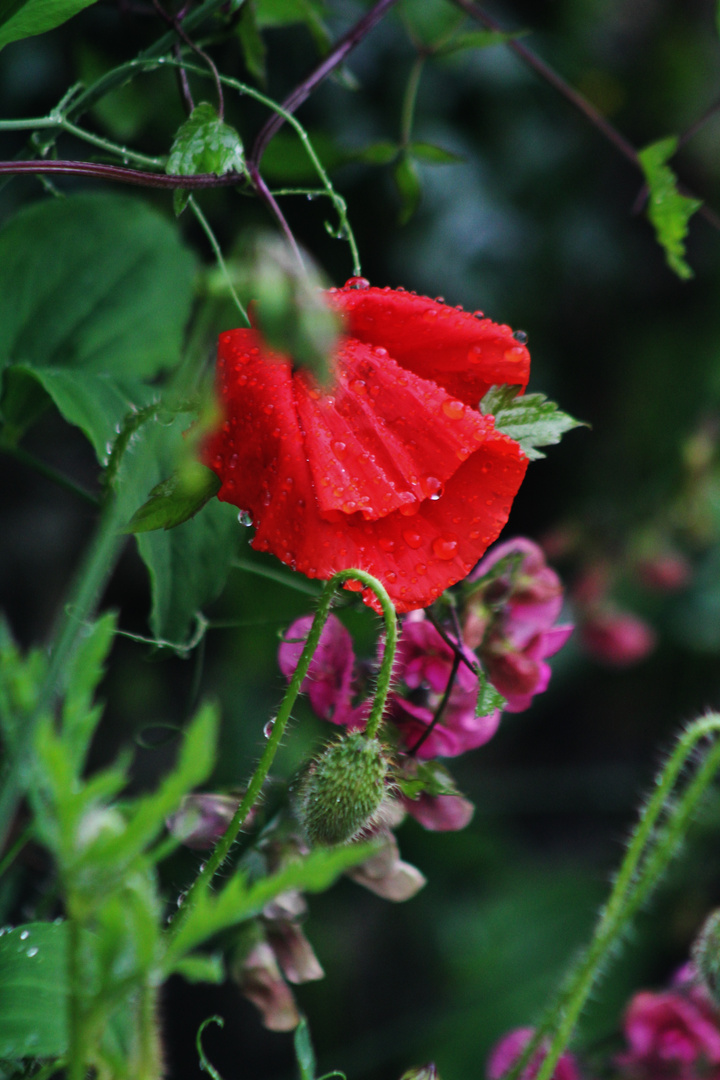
x: 383, y: 439
x: 464, y: 354
x: 261, y: 456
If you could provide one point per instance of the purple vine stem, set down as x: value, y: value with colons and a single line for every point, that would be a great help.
x: 122, y: 175
x: 302, y: 92
x: 574, y: 97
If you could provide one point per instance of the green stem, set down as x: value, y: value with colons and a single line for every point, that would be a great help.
x: 77, y: 1050
x: 149, y: 1048
x: 407, y: 115
x: 651, y: 848
x: 205, y: 225
x: 222, y: 849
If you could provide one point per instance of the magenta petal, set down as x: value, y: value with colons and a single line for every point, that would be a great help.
x: 329, y: 681
x: 440, y: 813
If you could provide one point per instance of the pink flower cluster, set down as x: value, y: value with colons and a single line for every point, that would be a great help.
x: 671, y: 1034
x: 508, y: 612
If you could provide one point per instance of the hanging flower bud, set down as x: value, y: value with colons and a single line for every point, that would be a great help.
x: 342, y: 790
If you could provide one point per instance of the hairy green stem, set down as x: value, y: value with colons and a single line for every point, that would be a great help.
x: 222, y: 849
x: 652, y: 846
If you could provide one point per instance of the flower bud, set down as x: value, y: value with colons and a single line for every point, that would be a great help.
x: 202, y: 818
x: 617, y: 638
x: 422, y: 1072
x: 342, y: 790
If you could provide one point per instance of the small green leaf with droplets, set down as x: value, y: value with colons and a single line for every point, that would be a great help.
x: 407, y: 182
x: 175, y: 500
x: 530, y: 419
x: 668, y: 211
x: 34, y: 991
x: 204, y: 144
x: 489, y: 699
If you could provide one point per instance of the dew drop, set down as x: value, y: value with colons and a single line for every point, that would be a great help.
x: 433, y: 488
x: 386, y: 544
x: 439, y: 299
x: 33, y: 951
x: 245, y: 518
x: 268, y: 729
x: 339, y: 448
x: 412, y: 539
x: 357, y: 283
x: 380, y: 351
x: 475, y: 355
x: 453, y: 409
x: 478, y: 314
x: 24, y: 935
x: 391, y: 576
x: 358, y: 386
x: 515, y: 355
x: 521, y: 337
x: 445, y: 547
x: 421, y: 568
x: 354, y: 585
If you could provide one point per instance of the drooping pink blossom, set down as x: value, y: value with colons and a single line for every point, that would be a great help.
x: 330, y: 681
x: 671, y: 1035
x: 510, y: 620
x: 423, y: 667
x: 507, y: 1051
x: 617, y: 638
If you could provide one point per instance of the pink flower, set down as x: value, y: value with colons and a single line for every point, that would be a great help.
x: 616, y: 638
x: 424, y: 664
x: 665, y: 571
x: 331, y: 677
x: 671, y: 1035
x: 508, y: 1050
x: 510, y: 620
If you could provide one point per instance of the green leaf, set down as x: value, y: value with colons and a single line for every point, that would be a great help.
x: 25, y: 18
x: 33, y: 991
x: 426, y: 777
x: 79, y: 717
x: 377, y: 153
x: 304, y: 1052
x: 204, y: 144
x: 489, y: 699
x: 188, y: 565
x: 429, y: 22
x: 175, y: 500
x: 435, y: 155
x: 669, y: 211
x: 408, y: 185
x: 95, y: 402
x: 478, y: 39
x: 91, y: 325
x: 239, y: 900
x: 251, y: 42
x: 201, y: 969
x: 288, y: 12
x: 530, y: 419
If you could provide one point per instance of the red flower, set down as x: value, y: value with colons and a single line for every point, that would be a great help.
x: 392, y: 469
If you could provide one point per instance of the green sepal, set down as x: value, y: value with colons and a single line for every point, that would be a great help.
x: 204, y: 144
x: 668, y: 211
x: 530, y: 419
x: 175, y: 500
x: 489, y: 699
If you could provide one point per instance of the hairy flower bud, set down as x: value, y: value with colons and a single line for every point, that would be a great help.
x: 342, y: 789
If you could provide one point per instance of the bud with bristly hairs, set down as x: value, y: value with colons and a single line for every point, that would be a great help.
x: 341, y: 791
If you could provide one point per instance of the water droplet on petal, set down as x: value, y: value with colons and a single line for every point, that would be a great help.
x: 354, y: 585
x: 445, y: 547
x: 521, y: 337
x: 453, y: 409
x: 409, y: 505
x: 245, y: 518
x: 386, y: 544
x: 268, y: 729
x: 515, y: 355
x: 339, y: 448
x: 412, y: 539
x: 478, y: 314
x: 433, y: 488
x: 357, y: 283
x: 439, y: 299
x: 358, y: 386
x: 421, y: 568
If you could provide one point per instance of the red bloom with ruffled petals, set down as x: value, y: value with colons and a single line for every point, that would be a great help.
x: 392, y: 469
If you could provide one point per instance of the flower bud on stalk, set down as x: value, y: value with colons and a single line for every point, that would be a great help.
x: 342, y: 790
